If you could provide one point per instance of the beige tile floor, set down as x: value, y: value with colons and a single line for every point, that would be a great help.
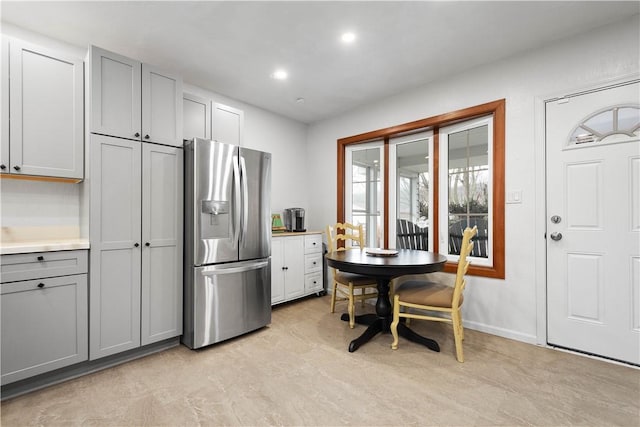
x: 298, y: 372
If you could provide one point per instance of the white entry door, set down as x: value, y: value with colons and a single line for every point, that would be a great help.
x: 593, y: 222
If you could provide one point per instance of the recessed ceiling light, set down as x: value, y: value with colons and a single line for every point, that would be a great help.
x: 348, y: 37
x: 279, y: 75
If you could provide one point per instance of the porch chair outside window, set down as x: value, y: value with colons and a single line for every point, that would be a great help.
x: 410, y: 236
x: 435, y: 297
x: 345, y: 284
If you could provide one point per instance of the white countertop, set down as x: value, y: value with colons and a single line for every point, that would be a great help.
x: 24, y: 247
x: 294, y: 233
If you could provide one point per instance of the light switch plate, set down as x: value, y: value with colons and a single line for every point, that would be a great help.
x: 514, y: 196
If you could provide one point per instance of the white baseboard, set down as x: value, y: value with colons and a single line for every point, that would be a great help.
x: 501, y: 332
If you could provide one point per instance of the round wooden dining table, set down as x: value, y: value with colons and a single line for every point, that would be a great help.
x: 384, y: 269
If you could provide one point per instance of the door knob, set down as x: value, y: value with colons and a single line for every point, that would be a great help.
x: 136, y: 244
x: 147, y: 137
x: 137, y: 135
x: 556, y: 236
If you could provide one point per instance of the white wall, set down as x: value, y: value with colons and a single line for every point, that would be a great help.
x: 503, y: 307
x: 30, y: 203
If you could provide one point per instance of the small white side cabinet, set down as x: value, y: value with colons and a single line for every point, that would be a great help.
x: 296, y: 271
x: 133, y: 100
x: 44, y: 312
x: 136, y: 244
x: 43, y: 112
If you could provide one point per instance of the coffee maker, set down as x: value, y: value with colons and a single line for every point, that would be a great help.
x: 294, y: 219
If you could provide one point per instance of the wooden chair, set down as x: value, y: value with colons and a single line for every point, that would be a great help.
x: 435, y: 297
x: 345, y: 284
x: 410, y: 236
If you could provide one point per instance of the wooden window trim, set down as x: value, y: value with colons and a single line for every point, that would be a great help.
x: 497, y: 108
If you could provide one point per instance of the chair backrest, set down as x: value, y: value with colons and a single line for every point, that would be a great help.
x: 410, y: 236
x: 463, y: 263
x: 351, y: 235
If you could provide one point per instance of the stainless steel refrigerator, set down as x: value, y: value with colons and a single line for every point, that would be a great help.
x: 227, y: 286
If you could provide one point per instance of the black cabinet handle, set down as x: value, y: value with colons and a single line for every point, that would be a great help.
x: 17, y: 168
x: 40, y: 258
x: 136, y: 244
x: 3, y: 167
x: 147, y: 137
x: 314, y: 263
x: 147, y: 244
x: 314, y: 243
x: 41, y: 285
x: 137, y: 135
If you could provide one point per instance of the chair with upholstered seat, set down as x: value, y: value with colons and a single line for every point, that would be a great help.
x: 427, y: 296
x: 346, y: 284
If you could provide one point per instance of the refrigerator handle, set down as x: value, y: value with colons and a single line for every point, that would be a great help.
x: 233, y: 268
x: 236, y: 202
x: 245, y: 200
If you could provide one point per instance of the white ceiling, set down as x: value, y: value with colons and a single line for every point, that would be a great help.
x: 232, y: 47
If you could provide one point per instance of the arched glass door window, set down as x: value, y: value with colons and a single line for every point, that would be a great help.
x: 611, y: 124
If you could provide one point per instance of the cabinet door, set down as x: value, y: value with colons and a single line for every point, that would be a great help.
x: 4, y: 108
x: 162, y: 206
x: 227, y: 124
x: 196, y: 117
x: 161, y: 106
x: 294, y: 267
x: 115, y: 94
x: 277, y: 270
x: 44, y: 325
x: 115, y: 231
x: 46, y: 108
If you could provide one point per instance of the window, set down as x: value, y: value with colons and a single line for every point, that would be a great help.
x: 442, y: 172
x: 365, y: 191
x: 465, y: 166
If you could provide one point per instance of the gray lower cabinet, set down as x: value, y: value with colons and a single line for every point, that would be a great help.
x: 44, y: 319
x: 136, y: 244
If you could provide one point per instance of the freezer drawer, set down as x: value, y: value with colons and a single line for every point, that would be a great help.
x: 230, y: 300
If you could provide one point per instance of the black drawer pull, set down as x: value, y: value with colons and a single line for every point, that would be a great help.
x: 3, y: 167
x: 40, y: 258
x: 41, y: 285
x: 137, y: 135
x: 17, y: 168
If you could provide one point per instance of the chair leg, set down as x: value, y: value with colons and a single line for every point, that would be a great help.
x: 351, y: 308
x: 362, y: 292
x: 396, y: 320
x: 457, y: 334
x: 333, y: 297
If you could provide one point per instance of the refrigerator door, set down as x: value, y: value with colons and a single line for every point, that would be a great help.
x: 255, y: 228
x: 215, y: 210
x: 230, y: 300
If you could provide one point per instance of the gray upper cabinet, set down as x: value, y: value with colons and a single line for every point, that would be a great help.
x: 196, y: 117
x: 133, y: 100
x: 162, y: 212
x: 136, y: 244
x: 4, y: 108
x: 46, y: 112
x: 115, y: 229
x: 161, y: 106
x: 227, y: 124
x: 115, y: 94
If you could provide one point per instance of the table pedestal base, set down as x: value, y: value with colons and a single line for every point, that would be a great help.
x: 376, y: 324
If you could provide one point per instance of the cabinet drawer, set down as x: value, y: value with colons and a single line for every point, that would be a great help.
x: 312, y: 263
x: 42, y: 264
x: 313, y: 282
x: 44, y: 325
x: 313, y: 243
